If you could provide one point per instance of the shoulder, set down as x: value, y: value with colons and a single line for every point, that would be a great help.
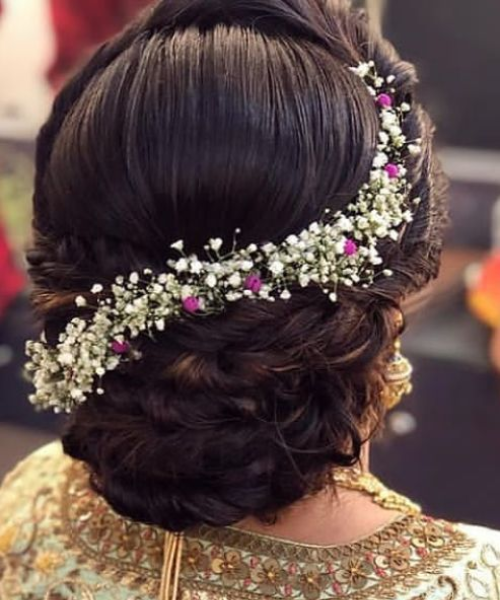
x: 60, y: 539
x: 473, y: 571
x: 480, y: 533
x: 42, y: 469
x: 486, y: 544
x: 29, y: 501
x: 37, y: 477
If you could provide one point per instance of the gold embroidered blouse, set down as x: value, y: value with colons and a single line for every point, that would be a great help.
x: 60, y: 541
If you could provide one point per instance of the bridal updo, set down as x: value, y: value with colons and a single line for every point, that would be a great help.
x: 202, y: 117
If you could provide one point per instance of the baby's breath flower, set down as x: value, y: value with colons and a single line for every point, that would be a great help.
x: 342, y: 249
x: 276, y: 267
x: 235, y: 280
x: 215, y: 244
x: 179, y: 246
x: 181, y: 265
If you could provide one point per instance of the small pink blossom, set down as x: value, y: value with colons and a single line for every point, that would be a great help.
x: 384, y: 100
x: 392, y: 170
x: 253, y: 283
x: 350, y: 248
x: 120, y: 347
x: 191, y: 304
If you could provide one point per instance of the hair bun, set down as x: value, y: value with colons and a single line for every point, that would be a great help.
x: 177, y: 131
x: 217, y: 421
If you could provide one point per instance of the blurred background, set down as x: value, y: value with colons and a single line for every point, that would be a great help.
x: 445, y: 440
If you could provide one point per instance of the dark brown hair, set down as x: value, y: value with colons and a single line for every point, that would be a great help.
x: 202, y: 117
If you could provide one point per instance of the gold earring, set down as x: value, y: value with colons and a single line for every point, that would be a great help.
x: 398, y: 378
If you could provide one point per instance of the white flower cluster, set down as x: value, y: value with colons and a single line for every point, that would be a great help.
x: 340, y: 250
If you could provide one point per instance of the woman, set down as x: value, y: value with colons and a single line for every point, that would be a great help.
x: 272, y: 153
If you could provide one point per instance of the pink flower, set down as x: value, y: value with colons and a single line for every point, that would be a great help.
x: 384, y: 100
x: 392, y: 170
x: 120, y: 347
x: 350, y: 248
x: 191, y: 304
x: 253, y: 283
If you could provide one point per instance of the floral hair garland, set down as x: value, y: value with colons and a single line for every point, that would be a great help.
x: 340, y: 250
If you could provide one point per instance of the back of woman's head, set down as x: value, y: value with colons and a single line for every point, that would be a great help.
x: 206, y: 116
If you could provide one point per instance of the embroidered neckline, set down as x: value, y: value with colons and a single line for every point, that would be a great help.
x: 384, y: 564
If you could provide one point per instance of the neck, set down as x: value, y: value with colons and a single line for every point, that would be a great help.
x: 331, y: 517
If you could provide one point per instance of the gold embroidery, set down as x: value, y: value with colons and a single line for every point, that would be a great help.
x: 101, y: 533
x: 479, y: 587
x: 450, y: 584
x: 47, y: 562
x: 76, y: 589
x: 385, y: 565
x: 7, y: 537
x: 105, y: 557
x: 447, y: 588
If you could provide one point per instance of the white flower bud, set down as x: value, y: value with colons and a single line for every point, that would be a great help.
x: 383, y: 137
x: 179, y: 245
x: 389, y: 118
x: 246, y: 265
x: 276, y: 267
x: 97, y: 288
x: 196, y: 267
x: 362, y: 70
x: 66, y: 359
x: 268, y: 248
x: 181, y: 265
x: 395, y: 131
x: 363, y: 223
x: 235, y: 280
x: 80, y: 301
x: 380, y: 160
x: 215, y: 244
x: 211, y: 280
